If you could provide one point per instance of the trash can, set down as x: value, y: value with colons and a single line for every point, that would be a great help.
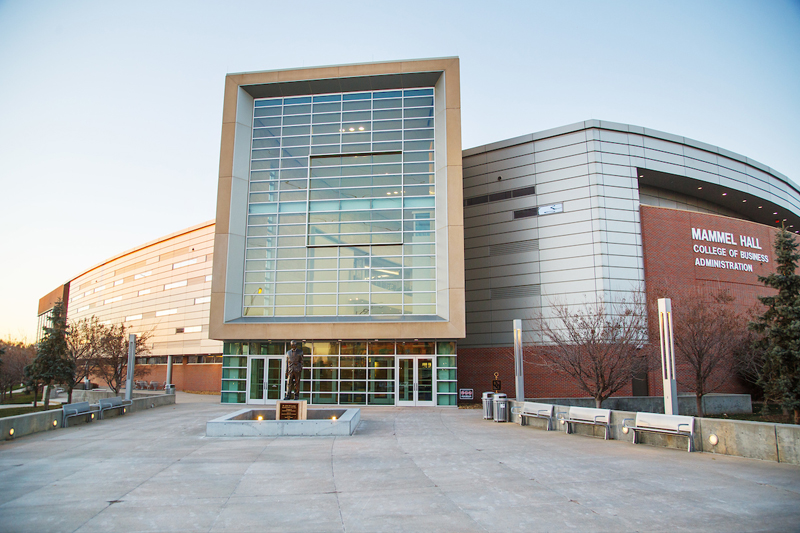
x: 500, y: 407
x: 169, y: 388
x: 487, y: 405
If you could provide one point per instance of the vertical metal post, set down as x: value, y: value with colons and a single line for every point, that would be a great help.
x: 131, y: 363
x: 169, y: 371
x: 668, y: 378
x: 519, y: 378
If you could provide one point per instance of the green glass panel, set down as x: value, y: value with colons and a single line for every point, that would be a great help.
x: 323, y: 398
x: 446, y: 348
x: 233, y: 397
x: 380, y: 399
x: 234, y: 373
x: 446, y: 361
x: 232, y: 348
x: 357, y: 399
x: 274, y: 379
x: 405, y: 384
x: 234, y: 361
x: 256, y: 379
x: 238, y: 385
x: 446, y: 386
x: 446, y: 399
x: 446, y: 374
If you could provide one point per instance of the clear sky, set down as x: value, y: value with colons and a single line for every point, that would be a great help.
x: 110, y: 112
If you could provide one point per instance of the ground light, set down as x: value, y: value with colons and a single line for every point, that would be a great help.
x: 713, y: 439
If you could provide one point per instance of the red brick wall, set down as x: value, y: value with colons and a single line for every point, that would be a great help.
x: 185, y: 377
x: 670, y: 271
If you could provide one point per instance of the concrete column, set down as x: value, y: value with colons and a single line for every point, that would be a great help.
x: 169, y: 370
x: 668, y: 377
x: 519, y: 377
x: 131, y: 364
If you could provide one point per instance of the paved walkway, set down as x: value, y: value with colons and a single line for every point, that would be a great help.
x: 405, y: 469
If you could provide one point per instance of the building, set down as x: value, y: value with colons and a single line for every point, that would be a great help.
x: 339, y: 223
x: 595, y: 211
x: 344, y: 222
x: 162, y: 288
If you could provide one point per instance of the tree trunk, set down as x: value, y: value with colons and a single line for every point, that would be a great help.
x: 69, y: 395
x: 597, y: 402
x: 46, y: 399
x: 35, y: 391
x: 699, y: 399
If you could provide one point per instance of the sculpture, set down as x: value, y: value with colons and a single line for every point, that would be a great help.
x: 294, y: 369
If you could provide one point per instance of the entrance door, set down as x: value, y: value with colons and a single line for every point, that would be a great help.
x: 415, y: 381
x: 265, y: 380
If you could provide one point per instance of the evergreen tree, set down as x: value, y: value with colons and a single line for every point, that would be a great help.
x: 779, y: 327
x: 52, y: 364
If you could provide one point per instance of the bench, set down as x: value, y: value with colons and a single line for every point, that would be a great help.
x: 78, y: 409
x: 587, y: 415
x: 113, y: 403
x: 534, y: 410
x: 658, y: 423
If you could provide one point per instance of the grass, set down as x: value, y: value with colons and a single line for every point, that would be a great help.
x: 14, y: 411
x: 773, y: 415
x: 20, y: 398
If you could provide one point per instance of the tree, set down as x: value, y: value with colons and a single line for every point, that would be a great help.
x: 598, y: 346
x: 707, y: 331
x: 83, y: 345
x: 112, y: 357
x: 52, y: 364
x: 779, y: 327
x: 17, y: 355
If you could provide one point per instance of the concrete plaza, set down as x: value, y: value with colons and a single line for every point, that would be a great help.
x: 405, y: 469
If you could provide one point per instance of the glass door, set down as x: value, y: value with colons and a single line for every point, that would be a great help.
x: 415, y: 381
x: 265, y: 381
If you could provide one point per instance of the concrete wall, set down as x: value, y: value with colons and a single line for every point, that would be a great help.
x: 713, y: 404
x: 44, y: 420
x: 756, y: 440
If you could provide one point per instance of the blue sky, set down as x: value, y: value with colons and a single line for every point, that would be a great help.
x: 110, y: 112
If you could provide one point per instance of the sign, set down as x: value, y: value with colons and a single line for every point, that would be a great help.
x: 289, y: 411
x: 496, y: 382
x: 464, y: 394
x: 735, y: 255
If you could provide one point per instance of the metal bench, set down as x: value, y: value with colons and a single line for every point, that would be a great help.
x: 658, y: 423
x: 78, y: 409
x: 113, y: 403
x: 534, y: 410
x: 587, y: 415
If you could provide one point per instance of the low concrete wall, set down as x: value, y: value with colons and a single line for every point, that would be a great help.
x: 43, y: 420
x: 713, y: 404
x: 742, y: 438
x: 93, y: 396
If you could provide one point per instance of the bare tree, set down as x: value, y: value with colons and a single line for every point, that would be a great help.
x: 83, y: 345
x: 707, y: 331
x: 112, y: 357
x: 18, y: 354
x: 599, y: 346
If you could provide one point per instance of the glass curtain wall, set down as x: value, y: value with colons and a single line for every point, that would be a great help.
x: 341, y: 206
x: 345, y: 372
